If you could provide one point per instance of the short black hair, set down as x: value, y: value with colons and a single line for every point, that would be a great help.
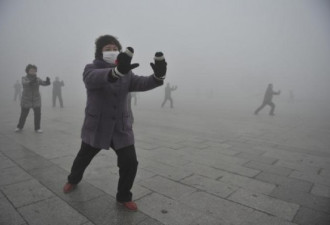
x: 103, y: 41
x: 30, y: 66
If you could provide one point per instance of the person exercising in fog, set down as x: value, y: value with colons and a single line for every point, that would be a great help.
x: 168, y: 91
x: 268, y: 100
x: 109, y: 80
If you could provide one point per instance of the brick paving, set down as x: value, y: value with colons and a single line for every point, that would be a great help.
x: 197, y: 165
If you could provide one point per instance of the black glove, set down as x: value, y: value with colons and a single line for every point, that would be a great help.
x: 48, y: 80
x: 160, y: 66
x: 124, y: 62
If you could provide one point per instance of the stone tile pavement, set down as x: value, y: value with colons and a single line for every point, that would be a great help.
x: 197, y: 165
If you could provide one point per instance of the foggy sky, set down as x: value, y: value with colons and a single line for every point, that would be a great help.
x: 233, y: 47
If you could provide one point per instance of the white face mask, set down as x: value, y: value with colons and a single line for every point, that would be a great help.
x: 110, y: 56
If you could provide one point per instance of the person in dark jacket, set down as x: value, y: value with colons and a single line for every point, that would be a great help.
x: 31, y: 97
x: 18, y: 91
x: 108, y: 118
x: 168, y: 91
x: 268, y: 100
x: 57, y: 91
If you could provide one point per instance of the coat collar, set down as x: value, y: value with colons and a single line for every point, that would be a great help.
x: 99, y: 63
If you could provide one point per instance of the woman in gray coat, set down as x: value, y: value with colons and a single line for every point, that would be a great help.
x: 108, y: 118
x: 31, y: 97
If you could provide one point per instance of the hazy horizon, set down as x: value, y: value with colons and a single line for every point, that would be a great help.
x: 227, y: 49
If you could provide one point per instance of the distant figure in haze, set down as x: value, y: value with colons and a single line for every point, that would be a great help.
x: 31, y: 97
x: 291, y: 96
x: 268, y: 100
x: 168, y: 90
x: 18, y: 90
x: 129, y: 104
x: 134, y: 96
x: 57, y: 91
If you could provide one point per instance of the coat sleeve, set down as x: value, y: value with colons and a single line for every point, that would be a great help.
x: 43, y: 82
x: 95, y: 78
x: 143, y: 83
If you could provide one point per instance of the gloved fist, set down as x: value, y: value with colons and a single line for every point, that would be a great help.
x: 124, y: 62
x: 160, y: 66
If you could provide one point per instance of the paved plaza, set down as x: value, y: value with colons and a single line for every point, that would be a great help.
x: 198, y: 164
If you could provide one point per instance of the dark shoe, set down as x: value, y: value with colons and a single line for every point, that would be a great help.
x: 69, y: 188
x: 131, y: 206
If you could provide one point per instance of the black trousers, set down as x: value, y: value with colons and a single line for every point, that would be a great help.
x: 59, y: 96
x: 272, y: 107
x: 25, y: 113
x: 126, y: 161
x: 165, y: 100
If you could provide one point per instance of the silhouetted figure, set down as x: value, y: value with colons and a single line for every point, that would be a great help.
x: 268, y: 100
x: 291, y: 96
x: 31, y: 97
x: 57, y: 91
x: 168, y: 91
x: 18, y: 90
x: 134, y: 96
